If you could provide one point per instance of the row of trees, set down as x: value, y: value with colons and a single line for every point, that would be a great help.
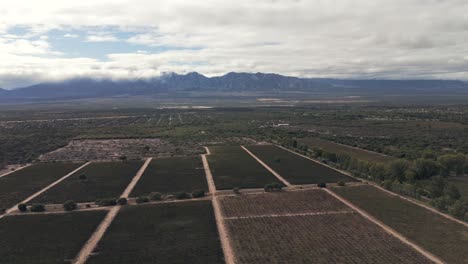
x: 423, y: 177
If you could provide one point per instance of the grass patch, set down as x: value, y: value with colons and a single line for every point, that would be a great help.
x: 19, y: 185
x: 444, y: 238
x: 103, y: 180
x: 296, y: 169
x: 163, y: 233
x: 46, y: 239
x: 232, y: 167
x: 172, y: 175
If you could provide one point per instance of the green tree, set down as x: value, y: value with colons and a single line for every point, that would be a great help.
x: 69, y: 205
x: 425, y: 168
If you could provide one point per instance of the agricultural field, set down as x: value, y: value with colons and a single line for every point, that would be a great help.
x: 296, y: 169
x: 163, y: 233
x: 307, y: 227
x: 46, y: 238
x: 171, y: 175
x: 445, y: 238
x: 232, y: 166
x: 103, y: 180
x: 19, y: 185
x: 336, y: 148
x: 290, y: 202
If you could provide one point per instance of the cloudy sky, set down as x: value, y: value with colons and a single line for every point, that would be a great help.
x: 56, y: 39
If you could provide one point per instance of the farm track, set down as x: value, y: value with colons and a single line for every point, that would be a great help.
x: 13, y: 208
x: 92, y: 242
x: 385, y: 190
x: 283, y: 180
x: 389, y: 230
x: 10, y: 172
x: 220, y: 223
x: 287, y: 215
x: 180, y: 119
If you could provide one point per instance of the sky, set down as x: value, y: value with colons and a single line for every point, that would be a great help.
x: 52, y: 40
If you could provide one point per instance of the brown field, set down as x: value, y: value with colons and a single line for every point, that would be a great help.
x: 307, y: 227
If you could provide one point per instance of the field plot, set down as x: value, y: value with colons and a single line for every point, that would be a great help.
x: 103, y: 180
x: 442, y: 237
x: 291, y: 202
x: 172, y: 174
x: 165, y: 233
x: 307, y: 227
x: 19, y: 185
x: 344, y: 149
x: 47, y: 238
x: 296, y: 169
x: 232, y: 167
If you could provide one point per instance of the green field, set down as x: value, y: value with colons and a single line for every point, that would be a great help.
x: 232, y: 166
x: 444, y: 238
x: 162, y: 233
x: 296, y: 169
x: 19, y: 185
x: 336, y: 148
x: 171, y: 175
x: 103, y: 180
x: 46, y: 239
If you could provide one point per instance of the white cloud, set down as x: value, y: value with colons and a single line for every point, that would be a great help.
x: 68, y: 35
x: 316, y: 38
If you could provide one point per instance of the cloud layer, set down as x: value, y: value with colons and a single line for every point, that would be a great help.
x: 314, y: 38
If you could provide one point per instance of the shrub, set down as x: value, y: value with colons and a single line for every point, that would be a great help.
x: 106, y: 202
x: 459, y: 209
x: 271, y: 187
x: 182, y: 195
x: 122, y: 201
x: 82, y: 177
x: 236, y: 190
x: 155, y: 196
x: 37, y: 208
x: 142, y: 199
x: 198, y: 193
x: 322, y: 185
x: 22, y: 207
x: 341, y: 183
x: 69, y: 205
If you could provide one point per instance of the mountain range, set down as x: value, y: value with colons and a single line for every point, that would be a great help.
x: 263, y: 83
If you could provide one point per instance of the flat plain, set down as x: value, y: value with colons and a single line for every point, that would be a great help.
x: 171, y: 175
x: 443, y: 237
x: 19, y: 185
x: 296, y: 169
x: 103, y: 180
x: 46, y: 238
x: 231, y: 167
x: 163, y: 233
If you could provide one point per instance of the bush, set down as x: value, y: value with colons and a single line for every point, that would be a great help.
x: 236, y: 190
x: 82, y: 177
x: 69, y: 205
x: 155, y: 196
x: 198, y: 193
x: 182, y: 195
x: 271, y: 187
x: 22, y: 207
x: 459, y: 209
x: 37, y: 208
x: 122, y: 201
x: 142, y: 199
x: 106, y: 202
x: 322, y: 185
x: 341, y: 183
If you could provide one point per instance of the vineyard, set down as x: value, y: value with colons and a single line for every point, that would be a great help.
x: 233, y: 167
x: 165, y: 233
x: 95, y: 181
x: 296, y: 169
x: 171, y: 175
x: 19, y: 185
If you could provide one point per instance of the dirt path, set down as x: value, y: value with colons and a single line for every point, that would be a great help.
x: 92, y: 242
x: 389, y: 230
x: 229, y: 256
x: 290, y: 215
x: 90, y: 245
x: 416, y: 202
x: 135, y: 179
x: 180, y: 118
x: 283, y: 180
x: 12, y: 209
x: 159, y: 120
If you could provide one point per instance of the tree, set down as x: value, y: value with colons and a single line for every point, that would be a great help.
x: 122, y: 201
x: 22, y: 207
x: 452, y: 192
x: 198, y: 193
x: 294, y: 143
x: 275, y: 186
x: 106, y: 202
x: 69, y: 205
x: 37, y: 208
x: 142, y: 199
x: 397, y: 170
x: 451, y: 163
x: 82, y: 177
x: 182, y: 195
x: 322, y: 185
x: 425, y: 168
x: 437, y: 187
x: 155, y: 196
x: 459, y: 209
